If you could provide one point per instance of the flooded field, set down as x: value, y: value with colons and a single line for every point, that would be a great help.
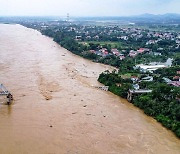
x: 57, y: 109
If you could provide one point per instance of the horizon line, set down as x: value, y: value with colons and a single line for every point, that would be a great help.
x: 87, y: 15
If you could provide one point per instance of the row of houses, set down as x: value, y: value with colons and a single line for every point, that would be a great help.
x: 104, y: 52
x: 132, y: 53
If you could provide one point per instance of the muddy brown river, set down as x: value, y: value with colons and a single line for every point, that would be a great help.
x: 58, y: 111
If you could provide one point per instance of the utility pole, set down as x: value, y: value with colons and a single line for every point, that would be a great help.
x: 67, y: 17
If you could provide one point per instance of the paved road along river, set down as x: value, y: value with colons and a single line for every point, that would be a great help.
x: 56, y: 109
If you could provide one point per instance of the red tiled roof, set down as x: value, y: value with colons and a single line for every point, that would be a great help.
x: 175, y: 83
x: 176, y: 77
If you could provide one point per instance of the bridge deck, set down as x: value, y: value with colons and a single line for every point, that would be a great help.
x: 131, y: 93
x: 105, y: 88
x: 140, y: 91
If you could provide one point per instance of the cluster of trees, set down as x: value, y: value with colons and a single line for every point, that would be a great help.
x: 168, y: 72
x: 163, y: 103
x: 117, y: 85
x: 176, y: 60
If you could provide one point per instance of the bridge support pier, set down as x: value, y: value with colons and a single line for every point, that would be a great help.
x: 131, y: 93
x: 5, y: 92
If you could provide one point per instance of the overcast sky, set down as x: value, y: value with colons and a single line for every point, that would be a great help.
x: 87, y: 7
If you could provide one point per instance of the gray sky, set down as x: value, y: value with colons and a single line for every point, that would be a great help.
x: 87, y: 7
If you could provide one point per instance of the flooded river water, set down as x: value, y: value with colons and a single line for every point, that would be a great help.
x: 57, y: 110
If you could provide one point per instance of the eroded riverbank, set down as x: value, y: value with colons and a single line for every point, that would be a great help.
x: 56, y: 109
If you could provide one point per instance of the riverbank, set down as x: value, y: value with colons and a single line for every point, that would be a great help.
x: 76, y: 118
x: 161, y: 103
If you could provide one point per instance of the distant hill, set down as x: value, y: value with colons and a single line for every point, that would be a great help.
x: 169, y: 18
x: 147, y: 15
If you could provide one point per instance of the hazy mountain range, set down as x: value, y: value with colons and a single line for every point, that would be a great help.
x: 169, y: 18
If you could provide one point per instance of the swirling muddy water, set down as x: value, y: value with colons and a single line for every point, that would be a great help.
x: 57, y: 110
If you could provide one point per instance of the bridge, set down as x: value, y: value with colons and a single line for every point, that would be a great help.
x: 5, y: 92
x: 105, y: 88
x: 131, y: 93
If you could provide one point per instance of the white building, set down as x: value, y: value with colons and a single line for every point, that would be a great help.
x: 149, y: 68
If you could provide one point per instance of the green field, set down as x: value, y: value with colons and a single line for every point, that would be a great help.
x: 113, y: 44
x: 128, y: 75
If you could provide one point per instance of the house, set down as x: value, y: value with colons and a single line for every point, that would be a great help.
x: 133, y: 53
x: 96, y: 37
x: 178, y: 41
x: 124, y: 38
x: 103, y: 50
x: 78, y: 38
x: 175, y: 83
x: 150, y: 68
x: 92, y: 51
x: 105, y: 54
x: 134, y: 79
x: 147, y: 79
x: 167, y: 80
x: 150, y: 42
x: 88, y: 37
x: 136, y: 87
x: 121, y: 57
x: 142, y: 50
x: 177, y: 78
x: 115, y: 51
x: 157, y: 53
x: 98, y: 53
x: 160, y: 49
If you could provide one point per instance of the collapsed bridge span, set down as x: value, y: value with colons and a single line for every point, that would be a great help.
x: 5, y: 92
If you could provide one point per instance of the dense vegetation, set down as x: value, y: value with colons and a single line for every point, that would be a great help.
x: 176, y: 59
x: 163, y: 103
x: 117, y: 85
